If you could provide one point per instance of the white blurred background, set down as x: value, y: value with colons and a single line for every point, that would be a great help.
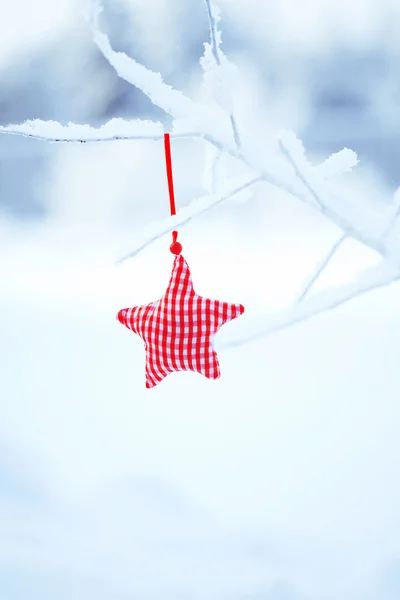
x: 280, y: 480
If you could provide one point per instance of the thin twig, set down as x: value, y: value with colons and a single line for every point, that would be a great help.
x: 345, y: 225
x: 85, y: 140
x: 213, y: 33
x: 214, y: 170
x: 216, y: 53
x: 179, y: 106
x: 321, y: 267
x: 271, y: 175
x: 378, y: 276
x: 235, y: 130
x: 180, y: 220
x: 265, y: 175
x: 300, y: 175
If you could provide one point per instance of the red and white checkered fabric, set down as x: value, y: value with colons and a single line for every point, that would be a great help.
x: 177, y: 330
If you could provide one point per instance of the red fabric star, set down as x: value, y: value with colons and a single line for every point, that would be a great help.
x: 177, y: 330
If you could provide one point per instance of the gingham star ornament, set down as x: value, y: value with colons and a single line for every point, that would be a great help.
x: 177, y: 330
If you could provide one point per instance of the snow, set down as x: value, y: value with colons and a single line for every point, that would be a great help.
x: 338, y: 163
x: 188, y: 115
x: 115, y: 129
x: 363, y: 217
x: 220, y: 488
x: 218, y: 72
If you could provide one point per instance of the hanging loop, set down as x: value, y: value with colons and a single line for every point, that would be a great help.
x: 175, y: 247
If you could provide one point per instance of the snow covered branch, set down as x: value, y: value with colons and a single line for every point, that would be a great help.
x: 373, y: 278
x: 218, y: 73
x: 216, y: 124
x: 320, y: 198
x: 338, y: 163
x: 116, y: 129
x: 157, y: 230
x: 173, y: 102
x: 320, y: 269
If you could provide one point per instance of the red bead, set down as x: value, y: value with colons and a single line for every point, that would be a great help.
x: 176, y: 248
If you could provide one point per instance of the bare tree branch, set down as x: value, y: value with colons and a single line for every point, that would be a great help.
x: 214, y: 171
x: 339, y: 162
x: 300, y: 174
x: 373, y: 278
x: 320, y: 269
x: 161, y: 94
x: 215, y: 44
x: 350, y: 229
x: 51, y: 131
x: 172, y: 101
x: 298, y: 183
x: 184, y: 216
x: 216, y: 126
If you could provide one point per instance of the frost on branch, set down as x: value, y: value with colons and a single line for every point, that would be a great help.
x: 189, y: 116
x: 217, y: 79
x: 250, y: 330
x: 218, y: 71
x: 362, y: 218
x: 116, y: 129
x: 151, y: 83
x: 335, y: 165
x: 156, y: 230
x: 338, y: 163
x: 308, y: 284
x: 293, y: 149
x: 373, y: 223
x: 215, y: 176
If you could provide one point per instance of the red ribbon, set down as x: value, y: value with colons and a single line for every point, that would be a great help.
x: 175, y: 248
